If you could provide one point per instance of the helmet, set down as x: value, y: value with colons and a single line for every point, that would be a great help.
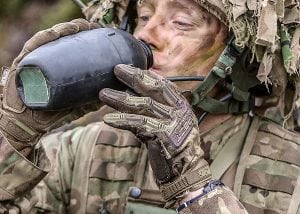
x: 264, y: 47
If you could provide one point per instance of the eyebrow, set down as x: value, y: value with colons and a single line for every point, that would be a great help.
x: 175, y: 3
x: 178, y: 5
x: 147, y: 2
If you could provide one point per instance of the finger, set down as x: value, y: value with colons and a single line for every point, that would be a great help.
x: 171, y: 134
x: 124, y: 102
x: 85, y: 25
x: 138, y: 124
x: 51, y: 34
x: 147, y: 83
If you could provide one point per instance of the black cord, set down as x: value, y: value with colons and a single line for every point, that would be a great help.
x: 186, y: 78
x: 198, y: 78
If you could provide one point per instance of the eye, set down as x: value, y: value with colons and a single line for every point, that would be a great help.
x: 182, y: 21
x: 144, y: 18
x: 183, y: 25
x: 144, y: 14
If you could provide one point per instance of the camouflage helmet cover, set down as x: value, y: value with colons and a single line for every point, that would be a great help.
x: 215, y: 7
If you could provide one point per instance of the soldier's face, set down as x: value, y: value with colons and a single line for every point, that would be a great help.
x: 185, y: 39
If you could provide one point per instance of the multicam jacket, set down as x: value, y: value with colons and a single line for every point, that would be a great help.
x: 100, y: 169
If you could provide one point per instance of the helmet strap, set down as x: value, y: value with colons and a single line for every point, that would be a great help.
x: 239, y: 101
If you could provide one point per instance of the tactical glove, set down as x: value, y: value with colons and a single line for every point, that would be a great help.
x: 21, y: 126
x: 162, y: 119
x: 22, y: 165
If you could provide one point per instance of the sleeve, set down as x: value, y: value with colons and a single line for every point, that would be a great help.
x: 220, y: 200
x: 19, y: 174
x: 49, y: 187
x: 53, y: 192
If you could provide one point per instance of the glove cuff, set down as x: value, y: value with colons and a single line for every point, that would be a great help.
x: 191, y: 179
x: 19, y: 135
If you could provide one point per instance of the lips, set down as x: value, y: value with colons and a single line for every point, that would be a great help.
x: 159, y: 65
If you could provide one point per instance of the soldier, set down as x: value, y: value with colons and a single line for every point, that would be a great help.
x: 166, y: 159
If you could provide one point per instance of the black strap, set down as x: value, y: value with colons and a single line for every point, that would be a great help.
x: 209, y: 187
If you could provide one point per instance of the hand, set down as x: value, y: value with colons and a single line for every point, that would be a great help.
x: 163, y: 120
x: 21, y: 126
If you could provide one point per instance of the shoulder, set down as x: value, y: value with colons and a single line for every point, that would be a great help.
x: 268, y: 141
x: 269, y: 167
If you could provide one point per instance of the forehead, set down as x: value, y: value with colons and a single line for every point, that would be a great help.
x: 167, y: 7
x: 184, y: 4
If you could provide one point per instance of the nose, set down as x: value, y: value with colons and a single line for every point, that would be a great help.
x: 152, y: 32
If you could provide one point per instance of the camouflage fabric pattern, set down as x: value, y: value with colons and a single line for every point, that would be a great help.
x: 272, y: 31
x: 108, y: 13
x: 254, y: 23
x: 14, y: 167
x: 164, y: 120
x: 297, y: 109
x: 222, y: 201
x: 82, y: 159
x: 270, y: 172
x: 265, y: 177
x: 21, y: 128
x: 95, y: 167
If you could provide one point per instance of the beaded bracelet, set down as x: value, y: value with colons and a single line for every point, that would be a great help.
x: 210, y: 186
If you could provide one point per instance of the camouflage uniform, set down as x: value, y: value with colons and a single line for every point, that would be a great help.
x: 256, y: 154
x: 96, y: 167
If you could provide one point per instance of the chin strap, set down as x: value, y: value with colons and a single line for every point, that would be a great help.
x: 238, y: 102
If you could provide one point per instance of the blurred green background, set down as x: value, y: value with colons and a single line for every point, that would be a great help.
x: 20, y: 19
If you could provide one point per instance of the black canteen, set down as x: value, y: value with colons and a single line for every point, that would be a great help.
x: 71, y: 70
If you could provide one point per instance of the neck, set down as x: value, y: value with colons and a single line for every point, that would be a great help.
x: 212, y: 120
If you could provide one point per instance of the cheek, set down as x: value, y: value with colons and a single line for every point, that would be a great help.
x: 206, y: 42
x: 176, y: 50
x: 187, y: 52
x: 190, y: 45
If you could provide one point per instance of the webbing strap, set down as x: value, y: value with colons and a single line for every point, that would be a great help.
x: 188, y: 180
x: 139, y: 175
x: 287, y: 153
x: 263, y: 180
x: 280, y: 132
x: 250, y: 139
x: 295, y: 200
x: 86, y: 145
x: 207, y: 85
x: 221, y: 69
x: 143, y: 208
x: 229, y: 153
x: 231, y: 106
x: 17, y: 129
x: 258, y: 210
x: 237, y: 93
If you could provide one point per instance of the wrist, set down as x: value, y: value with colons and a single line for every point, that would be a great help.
x: 190, y: 195
x: 189, y: 181
x: 194, y: 196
